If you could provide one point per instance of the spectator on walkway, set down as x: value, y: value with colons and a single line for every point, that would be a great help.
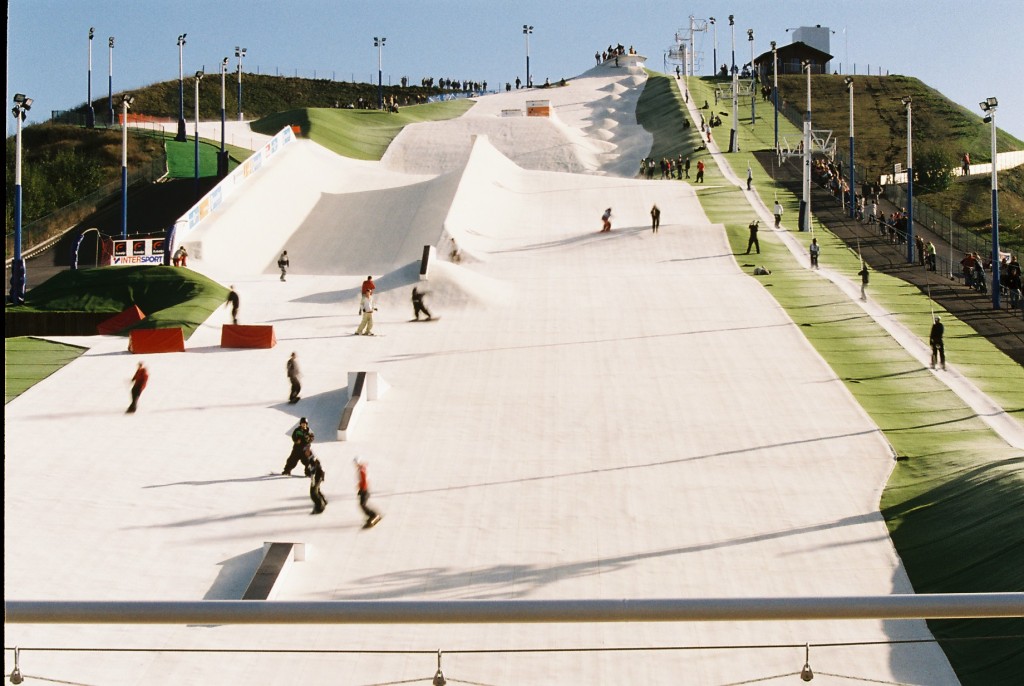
x: 778, y: 214
x: 180, y: 258
x: 933, y: 257
x: 814, y: 250
x: 863, y: 274
x: 966, y: 166
x: 700, y: 171
x: 752, y: 239
x: 935, y: 339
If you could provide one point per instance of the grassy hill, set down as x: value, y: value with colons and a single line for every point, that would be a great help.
x: 941, y: 127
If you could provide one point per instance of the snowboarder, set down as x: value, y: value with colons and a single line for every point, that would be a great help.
x: 316, y: 477
x: 292, y: 369
x: 655, y: 218
x: 283, y: 264
x: 417, y: 304
x: 606, y: 221
x: 302, y: 451
x: 232, y: 300
x: 139, y: 381
x: 363, y: 489
x: 367, y: 309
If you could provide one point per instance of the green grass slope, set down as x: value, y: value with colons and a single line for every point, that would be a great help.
x: 27, y: 361
x: 953, y: 506
x: 169, y: 296
x: 360, y: 134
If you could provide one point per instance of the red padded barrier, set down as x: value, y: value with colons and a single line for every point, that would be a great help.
x: 121, y: 321
x: 156, y: 341
x: 247, y: 336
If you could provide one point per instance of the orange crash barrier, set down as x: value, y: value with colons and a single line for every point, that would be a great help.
x: 247, y: 336
x: 121, y: 321
x: 156, y: 341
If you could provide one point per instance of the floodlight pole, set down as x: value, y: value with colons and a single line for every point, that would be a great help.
x: 753, y: 74
x: 805, y: 203
x: 182, y: 135
x: 733, y: 141
x: 199, y: 77
x: 379, y: 44
x: 126, y: 101
x: 240, y: 53
x: 910, y: 179
x: 775, y: 92
x: 989, y: 106
x: 527, y: 30
x: 110, y: 80
x: 853, y: 173
x: 714, y: 30
x: 222, y: 156
x: 21, y: 107
x: 90, y: 114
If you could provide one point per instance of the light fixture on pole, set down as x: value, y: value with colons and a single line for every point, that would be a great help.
x: 775, y: 91
x: 16, y: 676
x: 110, y: 79
x: 733, y: 140
x: 527, y: 30
x: 805, y: 202
x: 379, y: 44
x: 753, y: 72
x: 126, y: 102
x: 806, y: 674
x: 714, y: 53
x: 90, y: 114
x: 853, y: 173
x: 182, y: 134
x: 908, y: 102
x: 988, y: 106
x: 438, y: 679
x: 240, y: 53
x: 199, y: 77
x: 222, y: 156
x: 22, y: 104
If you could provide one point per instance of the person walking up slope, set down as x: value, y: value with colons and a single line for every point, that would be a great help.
x: 316, y: 477
x: 363, y: 490
x: 283, y: 263
x: 935, y: 339
x: 233, y: 301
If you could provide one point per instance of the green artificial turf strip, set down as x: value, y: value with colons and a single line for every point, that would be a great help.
x: 953, y: 505
x: 359, y: 134
x: 27, y: 361
x: 168, y: 296
x: 181, y: 158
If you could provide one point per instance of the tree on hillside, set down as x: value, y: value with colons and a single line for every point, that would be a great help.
x: 933, y: 169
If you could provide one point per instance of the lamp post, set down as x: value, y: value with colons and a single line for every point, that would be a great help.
x: 527, y: 30
x: 909, y: 103
x: 22, y: 105
x: 805, y: 203
x: 988, y: 106
x: 90, y: 114
x: 753, y: 72
x: 199, y: 77
x: 714, y: 53
x: 222, y: 156
x: 110, y: 79
x: 182, y: 135
x: 775, y: 91
x: 240, y: 53
x: 853, y: 173
x: 733, y: 141
x: 379, y: 44
x: 126, y: 102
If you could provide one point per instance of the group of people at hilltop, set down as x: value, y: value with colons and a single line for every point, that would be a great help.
x: 612, y: 53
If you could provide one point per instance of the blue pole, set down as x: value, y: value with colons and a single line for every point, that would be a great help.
x: 90, y: 114
x: 18, y: 265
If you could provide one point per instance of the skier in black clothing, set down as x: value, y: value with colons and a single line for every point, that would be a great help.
x: 935, y: 339
x: 302, y: 451
x: 232, y: 300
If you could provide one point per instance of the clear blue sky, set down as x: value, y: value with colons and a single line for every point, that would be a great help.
x: 967, y: 50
